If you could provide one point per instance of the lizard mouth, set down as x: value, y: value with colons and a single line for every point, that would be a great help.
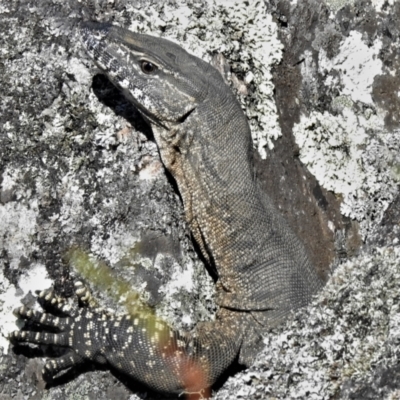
x: 153, y: 119
x: 149, y: 117
x: 184, y: 117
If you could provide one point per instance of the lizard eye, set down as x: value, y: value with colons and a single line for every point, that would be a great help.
x: 148, y: 67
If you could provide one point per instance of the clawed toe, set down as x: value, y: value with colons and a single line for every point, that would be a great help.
x: 15, y: 336
x: 54, y: 366
x: 58, y: 339
x: 22, y: 312
x: 84, y: 295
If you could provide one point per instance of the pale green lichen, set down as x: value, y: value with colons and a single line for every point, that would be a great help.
x: 396, y: 172
x: 339, y: 103
x: 336, y: 5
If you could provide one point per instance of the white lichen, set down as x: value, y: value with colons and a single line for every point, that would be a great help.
x: 7, y: 304
x: 349, y: 155
x: 336, y: 5
x: 18, y: 220
x: 378, y: 4
x: 80, y: 72
x: 35, y: 279
x: 357, y: 64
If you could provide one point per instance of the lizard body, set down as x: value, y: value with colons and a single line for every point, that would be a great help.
x: 263, y: 270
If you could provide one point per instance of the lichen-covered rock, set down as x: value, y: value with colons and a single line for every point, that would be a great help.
x: 319, y: 82
x: 344, y: 344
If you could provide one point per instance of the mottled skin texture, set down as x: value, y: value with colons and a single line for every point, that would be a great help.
x: 263, y: 270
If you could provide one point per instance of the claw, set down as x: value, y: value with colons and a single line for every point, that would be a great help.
x: 82, y: 291
x: 52, y: 367
x: 17, y: 311
x: 78, y: 284
x: 15, y: 335
x: 84, y: 295
x: 23, y: 312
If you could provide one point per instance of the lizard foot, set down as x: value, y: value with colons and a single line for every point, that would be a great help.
x: 73, y: 326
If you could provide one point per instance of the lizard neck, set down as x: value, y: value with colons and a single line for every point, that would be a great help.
x: 210, y: 157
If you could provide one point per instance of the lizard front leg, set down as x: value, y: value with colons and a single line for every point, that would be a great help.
x: 67, y: 326
x: 140, y: 345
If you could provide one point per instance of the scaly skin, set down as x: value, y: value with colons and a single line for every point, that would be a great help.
x: 263, y: 270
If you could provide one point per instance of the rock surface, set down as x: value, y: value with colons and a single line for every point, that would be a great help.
x: 320, y: 84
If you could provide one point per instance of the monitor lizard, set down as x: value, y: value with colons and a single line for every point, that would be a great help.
x: 264, y: 272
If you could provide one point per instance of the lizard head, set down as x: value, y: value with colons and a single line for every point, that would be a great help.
x: 164, y: 81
